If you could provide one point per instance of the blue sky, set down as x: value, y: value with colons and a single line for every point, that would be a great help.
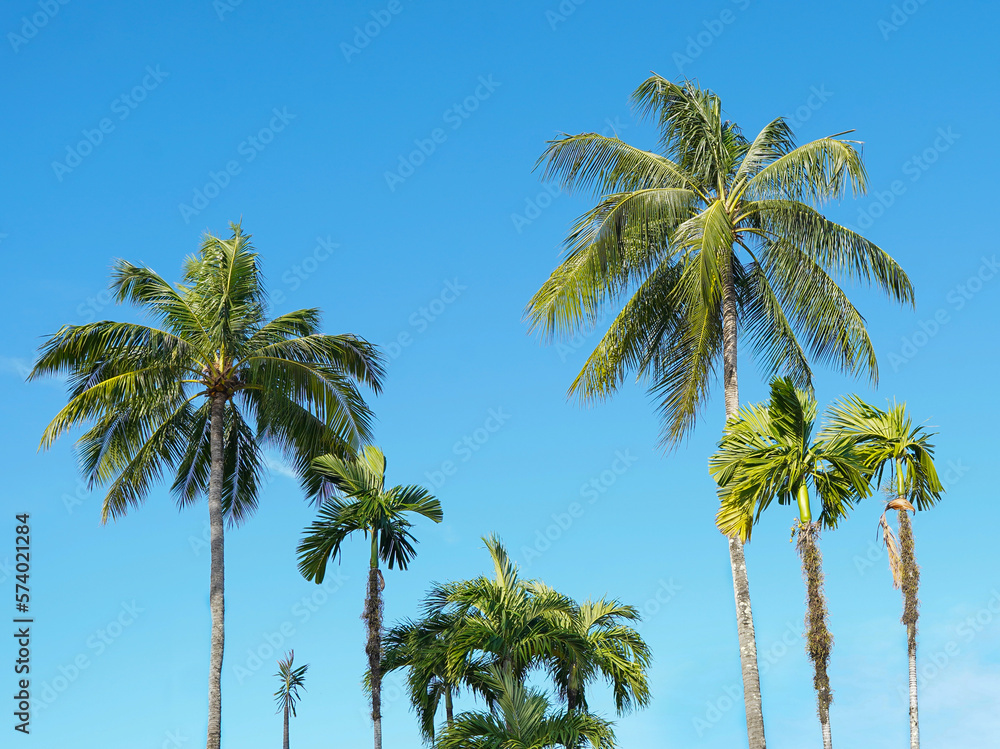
x: 381, y: 154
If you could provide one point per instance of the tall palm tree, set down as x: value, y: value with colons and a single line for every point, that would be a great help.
x: 287, y: 695
x: 363, y: 503
x: 200, y: 394
x: 421, y: 647
x: 892, y: 446
x: 769, y: 452
x: 523, y: 719
x: 614, y: 650
x: 717, y: 234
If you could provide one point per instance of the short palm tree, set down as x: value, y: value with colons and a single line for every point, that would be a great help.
x: 716, y: 235
x: 614, y: 650
x: 292, y: 679
x: 421, y: 647
x: 363, y: 503
x: 522, y: 718
x: 200, y: 394
x: 516, y: 624
x: 769, y: 452
x: 892, y: 446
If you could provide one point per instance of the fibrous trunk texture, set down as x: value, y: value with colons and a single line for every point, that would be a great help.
x: 910, y: 583
x: 373, y: 619
x: 819, y: 641
x: 217, y: 579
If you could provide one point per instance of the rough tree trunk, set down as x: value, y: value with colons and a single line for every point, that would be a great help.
x: 217, y: 583
x: 737, y: 561
x: 373, y: 648
x: 910, y: 584
x: 819, y: 641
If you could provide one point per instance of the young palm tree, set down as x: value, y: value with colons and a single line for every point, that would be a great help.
x: 523, y: 719
x: 718, y: 233
x: 516, y: 624
x: 890, y: 445
x: 287, y: 695
x: 365, y: 504
x: 613, y: 650
x: 769, y: 452
x: 200, y: 393
x: 422, y: 647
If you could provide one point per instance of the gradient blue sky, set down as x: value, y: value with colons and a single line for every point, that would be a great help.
x: 446, y: 257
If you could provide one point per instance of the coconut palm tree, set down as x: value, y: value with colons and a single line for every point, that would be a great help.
x: 363, y: 503
x: 421, y: 647
x: 891, y: 446
x: 769, y: 452
x: 614, y: 651
x: 522, y: 718
x: 201, y: 392
x: 287, y: 695
x: 716, y: 234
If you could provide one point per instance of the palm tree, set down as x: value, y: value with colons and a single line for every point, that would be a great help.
x: 422, y: 647
x: 890, y: 444
x: 201, y: 393
x: 363, y: 503
x: 287, y: 695
x: 716, y: 234
x: 516, y: 624
x: 769, y: 452
x: 613, y: 650
x: 523, y: 719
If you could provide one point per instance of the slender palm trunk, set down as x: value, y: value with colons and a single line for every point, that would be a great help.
x: 373, y: 619
x: 741, y: 582
x: 910, y: 585
x: 819, y: 641
x: 217, y: 579
x: 449, y: 708
x: 284, y: 743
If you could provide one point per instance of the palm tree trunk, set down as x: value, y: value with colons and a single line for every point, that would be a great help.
x: 373, y: 619
x: 819, y: 641
x: 449, y: 708
x: 910, y: 585
x: 284, y: 743
x: 737, y: 560
x: 217, y: 579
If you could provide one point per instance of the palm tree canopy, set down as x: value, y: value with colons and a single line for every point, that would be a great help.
x: 362, y: 503
x: 522, y: 719
x: 292, y: 679
x: 768, y: 452
x: 146, y: 390
x: 887, y: 439
x: 673, y: 230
